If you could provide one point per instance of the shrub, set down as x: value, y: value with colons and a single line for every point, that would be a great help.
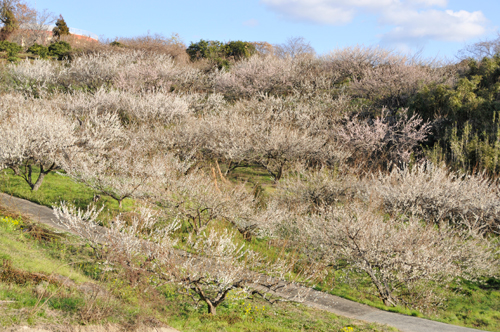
x: 124, y: 173
x: 59, y: 49
x: 39, y: 50
x: 224, y: 266
x: 144, y: 71
x: 159, y: 107
x: 314, y: 190
x: 257, y: 74
x: 214, y: 51
x: 219, y: 52
x: 404, y: 258
x: 11, y: 48
x: 85, y: 46
x: 116, y: 44
x: 473, y: 98
x: 35, y: 78
x: 134, y: 70
x: 384, y: 139
x: 34, y: 138
x: 393, y: 83
x: 239, y: 139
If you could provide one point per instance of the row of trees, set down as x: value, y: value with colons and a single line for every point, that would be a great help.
x: 224, y: 54
x: 294, y: 47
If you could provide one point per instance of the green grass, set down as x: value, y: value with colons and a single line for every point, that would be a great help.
x: 56, y: 188
x: 475, y: 304
x: 251, y: 175
x: 31, y: 257
x: 128, y: 301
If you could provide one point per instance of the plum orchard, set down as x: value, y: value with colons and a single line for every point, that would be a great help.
x: 351, y: 185
x: 215, y: 266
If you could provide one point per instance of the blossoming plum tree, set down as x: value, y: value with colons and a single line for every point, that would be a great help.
x: 33, y: 141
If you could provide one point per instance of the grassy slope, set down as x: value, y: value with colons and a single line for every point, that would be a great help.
x: 126, y: 303
x: 469, y: 304
x: 56, y: 188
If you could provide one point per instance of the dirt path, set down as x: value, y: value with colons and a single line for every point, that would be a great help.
x: 312, y: 298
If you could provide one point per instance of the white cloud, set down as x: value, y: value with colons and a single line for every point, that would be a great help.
x: 412, y: 21
x: 417, y: 27
x: 332, y: 12
x: 427, y: 3
x: 314, y: 11
x: 251, y: 23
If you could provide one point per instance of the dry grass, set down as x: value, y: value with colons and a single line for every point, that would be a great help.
x: 157, y: 44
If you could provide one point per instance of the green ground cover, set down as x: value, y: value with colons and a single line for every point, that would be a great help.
x: 56, y: 188
x: 20, y: 56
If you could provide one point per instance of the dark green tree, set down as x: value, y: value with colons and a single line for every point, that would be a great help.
x: 9, y: 20
x: 213, y: 49
x: 239, y: 49
x: 116, y: 43
x: 61, y: 28
x: 220, y: 53
x: 465, y: 116
x: 206, y: 49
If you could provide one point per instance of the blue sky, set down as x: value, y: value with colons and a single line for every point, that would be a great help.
x: 439, y: 27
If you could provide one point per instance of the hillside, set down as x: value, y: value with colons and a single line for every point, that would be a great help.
x: 363, y: 173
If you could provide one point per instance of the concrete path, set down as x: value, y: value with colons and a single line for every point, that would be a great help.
x: 312, y: 298
x: 37, y: 212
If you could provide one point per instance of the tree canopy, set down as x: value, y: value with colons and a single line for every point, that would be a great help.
x: 61, y: 28
x: 9, y: 20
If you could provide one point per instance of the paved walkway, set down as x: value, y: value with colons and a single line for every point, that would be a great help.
x: 312, y: 298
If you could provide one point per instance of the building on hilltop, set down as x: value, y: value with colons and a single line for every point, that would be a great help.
x: 43, y: 35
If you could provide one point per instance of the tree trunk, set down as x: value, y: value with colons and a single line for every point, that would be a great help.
x: 38, y: 182
x: 211, y: 308
x: 279, y: 174
x: 41, y: 176
x: 383, y: 290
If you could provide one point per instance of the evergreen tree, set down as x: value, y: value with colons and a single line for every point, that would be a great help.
x: 9, y: 20
x: 61, y: 28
